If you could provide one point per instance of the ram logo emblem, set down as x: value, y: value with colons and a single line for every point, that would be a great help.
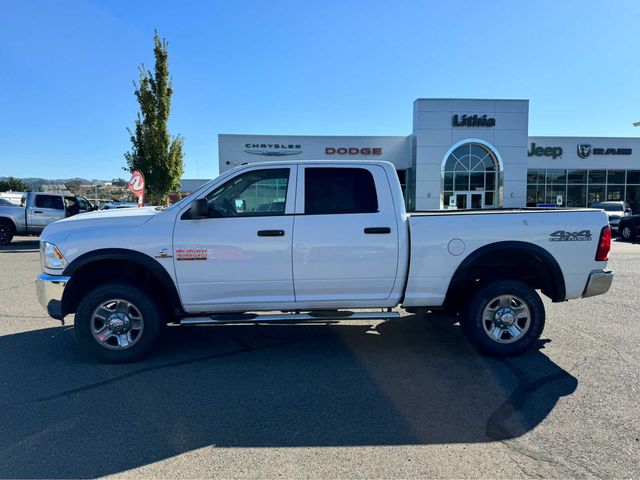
x: 584, y: 150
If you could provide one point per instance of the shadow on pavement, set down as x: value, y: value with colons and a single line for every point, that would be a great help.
x: 411, y: 381
x: 635, y: 240
x: 19, y: 245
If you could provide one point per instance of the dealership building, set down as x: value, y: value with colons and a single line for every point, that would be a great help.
x: 470, y: 154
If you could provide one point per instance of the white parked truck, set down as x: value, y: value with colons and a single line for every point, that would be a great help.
x: 315, y: 241
x: 36, y: 211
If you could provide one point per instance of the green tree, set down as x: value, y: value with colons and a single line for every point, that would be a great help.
x: 153, y: 152
x: 13, y: 184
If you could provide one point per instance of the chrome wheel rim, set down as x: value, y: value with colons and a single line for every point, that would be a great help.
x: 117, y: 324
x: 506, y: 319
x: 626, y: 232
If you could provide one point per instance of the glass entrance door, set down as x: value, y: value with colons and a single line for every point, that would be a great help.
x: 477, y: 200
x: 469, y: 200
x: 461, y: 200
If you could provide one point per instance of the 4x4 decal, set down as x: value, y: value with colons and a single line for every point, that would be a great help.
x: 564, y: 236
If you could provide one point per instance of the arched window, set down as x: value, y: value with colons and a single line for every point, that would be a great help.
x: 471, y: 171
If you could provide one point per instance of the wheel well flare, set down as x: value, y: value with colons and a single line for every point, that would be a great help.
x: 522, y: 261
x: 98, y: 268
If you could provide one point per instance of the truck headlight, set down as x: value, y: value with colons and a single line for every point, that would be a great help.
x: 51, y: 256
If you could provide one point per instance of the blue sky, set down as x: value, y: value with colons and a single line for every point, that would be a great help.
x: 330, y: 67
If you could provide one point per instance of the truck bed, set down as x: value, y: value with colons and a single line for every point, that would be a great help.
x: 441, y: 240
x: 491, y: 211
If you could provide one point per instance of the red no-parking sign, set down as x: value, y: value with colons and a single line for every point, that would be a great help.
x: 136, y: 185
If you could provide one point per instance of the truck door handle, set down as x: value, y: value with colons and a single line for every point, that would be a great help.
x: 377, y: 230
x: 37, y: 211
x: 271, y: 233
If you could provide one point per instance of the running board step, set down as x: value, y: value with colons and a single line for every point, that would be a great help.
x: 321, y: 316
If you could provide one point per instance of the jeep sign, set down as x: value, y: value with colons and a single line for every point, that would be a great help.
x: 553, y: 152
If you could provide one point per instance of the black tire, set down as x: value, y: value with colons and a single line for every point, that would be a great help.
x: 142, y: 303
x: 7, y: 231
x: 477, y: 330
x: 625, y: 232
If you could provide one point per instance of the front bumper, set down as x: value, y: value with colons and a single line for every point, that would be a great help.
x: 599, y: 282
x: 50, y: 289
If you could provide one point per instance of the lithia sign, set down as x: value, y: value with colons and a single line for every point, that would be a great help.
x: 473, y: 121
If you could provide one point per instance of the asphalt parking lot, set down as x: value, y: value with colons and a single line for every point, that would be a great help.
x: 408, y: 398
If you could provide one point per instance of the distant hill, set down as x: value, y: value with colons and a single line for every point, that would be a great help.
x: 35, y: 182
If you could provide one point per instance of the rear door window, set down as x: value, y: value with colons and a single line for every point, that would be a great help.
x: 49, y: 201
x: 339, y: 191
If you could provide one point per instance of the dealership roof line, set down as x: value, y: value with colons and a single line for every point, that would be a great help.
x: 588, y: 137
x: 307, y: 136
x: 472, y: 99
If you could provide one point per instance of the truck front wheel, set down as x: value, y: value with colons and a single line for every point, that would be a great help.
x: 118, y: 323
x: 503, y: 318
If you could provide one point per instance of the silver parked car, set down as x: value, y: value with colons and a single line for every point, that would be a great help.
x: 37, y: 210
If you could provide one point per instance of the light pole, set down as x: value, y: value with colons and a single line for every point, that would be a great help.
x: 95, y: 186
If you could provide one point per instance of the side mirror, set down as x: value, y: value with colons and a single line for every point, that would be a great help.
x: 200, y: 208
x: 627, y: 210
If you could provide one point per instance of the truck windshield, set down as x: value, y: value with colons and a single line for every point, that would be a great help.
x: 609, y: 207
x: 182, y: 201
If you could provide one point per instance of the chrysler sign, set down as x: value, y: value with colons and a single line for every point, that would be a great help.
x: 272, y: 149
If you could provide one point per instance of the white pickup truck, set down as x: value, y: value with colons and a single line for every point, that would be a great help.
x: 315, y: 241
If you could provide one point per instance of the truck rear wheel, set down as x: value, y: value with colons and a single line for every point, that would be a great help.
x: 118, y: 323
x: 503, y: 318
x: 6, y: 231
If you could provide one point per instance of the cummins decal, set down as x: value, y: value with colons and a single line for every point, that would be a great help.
x: 191, y: 254
x: 564, y: 236
x: 272, y: 149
